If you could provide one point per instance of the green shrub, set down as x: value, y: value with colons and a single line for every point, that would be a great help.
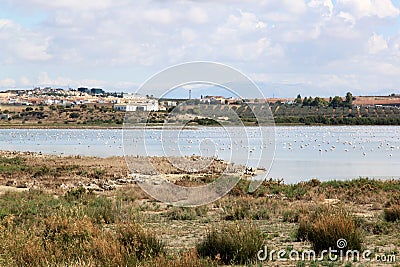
x: 246, y: 208
x: 239, y: 210
x: 101, y: 210
x: 186, y: 213
x: 261, y: 214
x: 236, y: 243
x: 325, y: 226
x: 178, y: 213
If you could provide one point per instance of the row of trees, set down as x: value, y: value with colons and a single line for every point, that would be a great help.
x: 335, y: 102
x: 312, y: 120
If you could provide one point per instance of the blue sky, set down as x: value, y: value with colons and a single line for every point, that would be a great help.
x: 315, y: 47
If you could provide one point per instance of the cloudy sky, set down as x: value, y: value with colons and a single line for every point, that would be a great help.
x: 315, y: 47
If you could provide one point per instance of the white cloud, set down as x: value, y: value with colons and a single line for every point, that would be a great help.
x: 245, y: 21
x: 162, y: 16
x: 325, y: 5
x: 376, y: 44
x: 198, y: 15
x: 290, y: 6
x: 189, y: 35
x: 17, y: 42
x: 69, y: 4
x: 367, y: 8
x: 347, y: 17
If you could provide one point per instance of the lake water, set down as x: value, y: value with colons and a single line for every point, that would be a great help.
x: 323, y: 152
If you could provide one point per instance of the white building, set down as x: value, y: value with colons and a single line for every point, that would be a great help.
x: 149, y: 105
x: 135, y: 102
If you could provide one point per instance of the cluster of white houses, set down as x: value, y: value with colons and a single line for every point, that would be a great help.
x: 135, y: 102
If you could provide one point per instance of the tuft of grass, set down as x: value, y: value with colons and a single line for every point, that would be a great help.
x: 186, y: 213
x: 234, y: 243
x: 99, y: 208
x: 326, y: 225
x: 239, y: 210
x: 137, y: 240
x: 290, y: 215
x: 246, y: 208
x: 392, y: 213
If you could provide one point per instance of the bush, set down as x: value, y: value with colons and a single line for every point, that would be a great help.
x: 186, y: 213
x: 241, y: 209
x: 325, y: 226
x: 139, y: 241
x: 392, y: 213
x: 236, y: 243
x: 246, y: 208
x: 290, y: 215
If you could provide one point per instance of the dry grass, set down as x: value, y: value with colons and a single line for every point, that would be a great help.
x: 232, y: 243
x: 72, y: 234
x: 326, y: 225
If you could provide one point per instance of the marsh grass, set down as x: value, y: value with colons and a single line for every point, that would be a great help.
x: 360, y: 190
x: 246, y: 208
x: 233, y: 243
x: 59, y: 240
x: 38, y: 229
x: 31, y: 205
x: 290, y: 215
x: 186, y: 213
x: 143, y: 243
x: 324, y: 226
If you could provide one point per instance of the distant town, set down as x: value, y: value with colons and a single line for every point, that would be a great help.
x: 94, y: 107
x: 130, y: 102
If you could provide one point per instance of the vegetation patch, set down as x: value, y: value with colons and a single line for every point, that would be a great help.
x: 326, y: 225
x: 234, y: 243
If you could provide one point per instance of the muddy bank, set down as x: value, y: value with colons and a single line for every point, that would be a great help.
x: 61, y: 173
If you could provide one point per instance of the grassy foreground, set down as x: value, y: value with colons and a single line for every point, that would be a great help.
x: 122, y: 226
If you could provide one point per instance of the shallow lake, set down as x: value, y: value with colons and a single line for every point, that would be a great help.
x: 323, y: 152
